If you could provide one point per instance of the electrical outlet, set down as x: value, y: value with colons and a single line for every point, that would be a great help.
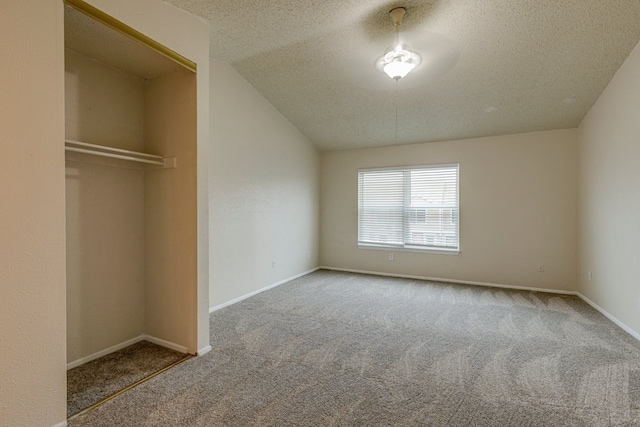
x: 273, y: 264
x: 541, y: 268
x: 390, y: 257
x: 308, y: 254
x: 589, y: 276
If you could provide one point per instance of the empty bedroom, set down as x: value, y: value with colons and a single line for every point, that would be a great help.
x: 320, y: 213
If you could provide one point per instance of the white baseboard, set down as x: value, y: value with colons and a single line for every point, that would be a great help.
x: 266, y: 288
x: 168, y: 344
x: 204, y: 351
x: 463, y: 282
x: 61, y: 424
x: 609, y: 316
x: 124, y: 344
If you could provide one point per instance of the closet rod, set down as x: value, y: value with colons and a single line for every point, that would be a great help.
x: 114, y: 153
x: 113, y: 149
x: 113, y: 156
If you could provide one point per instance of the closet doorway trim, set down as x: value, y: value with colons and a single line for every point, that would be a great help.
x: 123, y: 28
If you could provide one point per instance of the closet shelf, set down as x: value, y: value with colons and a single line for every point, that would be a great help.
x: 119, y: 153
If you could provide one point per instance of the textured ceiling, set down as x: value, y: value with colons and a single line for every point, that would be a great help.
x: 95, y: 40
x: 490, y: 67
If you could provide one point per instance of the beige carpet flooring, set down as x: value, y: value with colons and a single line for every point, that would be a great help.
x: 340, y: 349
x: 96, y: 380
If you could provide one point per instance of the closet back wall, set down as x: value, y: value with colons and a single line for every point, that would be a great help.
x: 105, y: 209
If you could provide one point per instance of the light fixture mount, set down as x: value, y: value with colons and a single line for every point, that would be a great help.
x: 400, y: 60
x: 397, y: 15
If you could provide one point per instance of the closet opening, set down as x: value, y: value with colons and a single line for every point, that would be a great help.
x: 130, y: 120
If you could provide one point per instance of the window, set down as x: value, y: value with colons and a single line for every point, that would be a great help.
x: 412, y: 207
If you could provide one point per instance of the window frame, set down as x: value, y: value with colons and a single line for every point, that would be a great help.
x: 408, y: 247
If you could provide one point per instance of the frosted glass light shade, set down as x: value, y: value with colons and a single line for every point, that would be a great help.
x: 399, y: 62
x: 398, y: 69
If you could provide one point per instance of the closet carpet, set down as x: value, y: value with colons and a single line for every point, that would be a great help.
x: 345, y: 349
x: 96, y: 380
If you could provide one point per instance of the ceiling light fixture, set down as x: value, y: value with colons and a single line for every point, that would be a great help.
x: 399, y: 61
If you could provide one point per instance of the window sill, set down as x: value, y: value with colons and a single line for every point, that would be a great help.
x: 410, y: 249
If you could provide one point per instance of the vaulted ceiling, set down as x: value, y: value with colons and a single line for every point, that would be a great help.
x: 490, y: 67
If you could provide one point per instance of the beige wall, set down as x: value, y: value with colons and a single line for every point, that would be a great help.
x: 609, y: 242
x: 104, y: 208
x: 32, y: 216
x: 187, y: 35
x: 170, y: 209
x: 103, y: 105
x: 264, y: 198
x: 517, y: 210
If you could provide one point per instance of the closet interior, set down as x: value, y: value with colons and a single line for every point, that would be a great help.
x: 130, y: 117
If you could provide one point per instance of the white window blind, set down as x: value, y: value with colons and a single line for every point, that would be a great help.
x: 413, y: 207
